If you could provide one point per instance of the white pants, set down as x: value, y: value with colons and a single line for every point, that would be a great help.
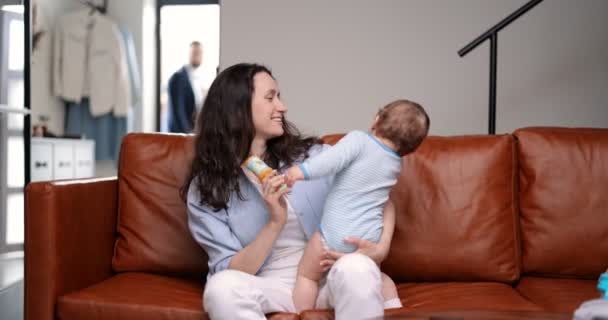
x: 592, y: 309
x: 353, y: 289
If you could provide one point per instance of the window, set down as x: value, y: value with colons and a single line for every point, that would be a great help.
x: 12, y: 148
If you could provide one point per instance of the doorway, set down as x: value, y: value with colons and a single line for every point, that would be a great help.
x: 183, y: 24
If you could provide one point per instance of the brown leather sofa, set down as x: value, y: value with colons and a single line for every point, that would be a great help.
x: 501, y: 223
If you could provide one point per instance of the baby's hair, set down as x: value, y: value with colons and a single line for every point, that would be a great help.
x: 404, y: 123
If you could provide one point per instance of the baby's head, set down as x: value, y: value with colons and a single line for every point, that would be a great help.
x: 404, y: 123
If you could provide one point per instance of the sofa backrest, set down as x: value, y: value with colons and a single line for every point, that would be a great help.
x: 564, y: 201
x: 457, y: 214
x: 152, y: 227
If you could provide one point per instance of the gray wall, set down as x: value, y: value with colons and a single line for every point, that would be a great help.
x: 338, y: 61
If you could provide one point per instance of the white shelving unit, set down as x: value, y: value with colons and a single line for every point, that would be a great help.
x: 54, y: 159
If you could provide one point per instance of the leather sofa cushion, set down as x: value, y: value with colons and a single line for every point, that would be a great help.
x: 141, y: 296
x: 462, y: 296
x: 445, y: 296
x: 153, y: 231
x: 457, y: 214
x: 135, y: 296
x: 564, y: 201
x: 558, y: 295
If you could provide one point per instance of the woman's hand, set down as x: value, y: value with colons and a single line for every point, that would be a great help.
x: 377, y: 252
x: 273, y: 195
x: 250, y: 258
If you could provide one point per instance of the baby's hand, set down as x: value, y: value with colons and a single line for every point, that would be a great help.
x: 293, y: 174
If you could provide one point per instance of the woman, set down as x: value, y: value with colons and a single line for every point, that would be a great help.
x: 254, y: 234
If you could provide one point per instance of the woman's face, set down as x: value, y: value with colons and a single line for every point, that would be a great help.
x: 266, y: 107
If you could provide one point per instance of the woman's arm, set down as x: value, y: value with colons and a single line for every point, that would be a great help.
x: 213, y: 233
x: 252, y: 256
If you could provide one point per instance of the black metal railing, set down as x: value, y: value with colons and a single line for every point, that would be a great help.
x: 492, y: 34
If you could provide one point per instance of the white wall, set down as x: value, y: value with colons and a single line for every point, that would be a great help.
x: 338, y: 61
x: 138, y: 16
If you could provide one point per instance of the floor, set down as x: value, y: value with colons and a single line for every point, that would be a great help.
x: 11, y: 286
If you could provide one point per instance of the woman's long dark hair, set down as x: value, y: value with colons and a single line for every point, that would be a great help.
x: 224, y: 132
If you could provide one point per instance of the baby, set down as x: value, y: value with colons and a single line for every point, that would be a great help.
x: 366, y: 167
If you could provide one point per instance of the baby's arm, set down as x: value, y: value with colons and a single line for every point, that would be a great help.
x: 294, y: 174
x: 334, y: 159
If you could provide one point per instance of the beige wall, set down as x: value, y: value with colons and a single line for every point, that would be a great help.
x: 338, y: 61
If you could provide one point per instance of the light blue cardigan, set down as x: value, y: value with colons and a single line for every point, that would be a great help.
x: 223, y: 233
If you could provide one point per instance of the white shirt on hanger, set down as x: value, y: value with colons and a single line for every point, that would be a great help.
x: 89, y: 60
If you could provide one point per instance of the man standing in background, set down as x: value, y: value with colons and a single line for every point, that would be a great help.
x: 186, y: 92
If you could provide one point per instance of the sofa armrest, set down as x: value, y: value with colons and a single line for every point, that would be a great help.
x: 70, y: 230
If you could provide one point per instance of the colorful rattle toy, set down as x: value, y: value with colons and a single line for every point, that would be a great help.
x: 260, y: 169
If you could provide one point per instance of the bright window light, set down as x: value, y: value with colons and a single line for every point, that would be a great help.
x: 16, y: 8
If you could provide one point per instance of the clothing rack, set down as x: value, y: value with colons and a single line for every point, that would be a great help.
x: 103, y: 8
